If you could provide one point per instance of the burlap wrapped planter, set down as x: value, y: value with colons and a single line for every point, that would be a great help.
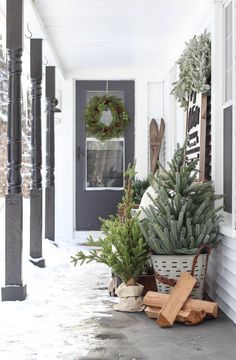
x: 171, y: 266
x: 131, y: 299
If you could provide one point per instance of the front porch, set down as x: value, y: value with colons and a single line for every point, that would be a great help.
x: 75, y: 51
x: 68, y: 315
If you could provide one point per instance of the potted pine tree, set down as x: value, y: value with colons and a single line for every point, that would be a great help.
x: 138, y: 189
x: 181, y: 224
x: 123, y: 248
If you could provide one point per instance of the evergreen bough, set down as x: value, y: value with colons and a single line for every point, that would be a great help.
x: 93, y: 113
x: 123, y: 247
x: 194, y: 69
x: 182, y: 217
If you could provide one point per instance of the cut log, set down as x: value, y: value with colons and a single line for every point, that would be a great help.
x: 157, y: 300
x: 189, y: 317
x: 176, y: 300
x: 152, y: 312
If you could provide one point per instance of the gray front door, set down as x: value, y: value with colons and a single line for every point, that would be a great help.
x: 100, y: 165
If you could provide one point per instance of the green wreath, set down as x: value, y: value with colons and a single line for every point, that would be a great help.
x: 93, y: 112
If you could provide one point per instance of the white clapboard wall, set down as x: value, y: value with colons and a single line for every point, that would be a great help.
x: 161, y: 104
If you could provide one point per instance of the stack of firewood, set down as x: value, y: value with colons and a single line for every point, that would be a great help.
x: 178, y: 306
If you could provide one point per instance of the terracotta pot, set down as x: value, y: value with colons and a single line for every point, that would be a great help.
x: 148, y: 282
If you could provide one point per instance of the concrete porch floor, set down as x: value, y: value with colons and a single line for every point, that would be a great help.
x: 128, y: 336
x: 69, y: 315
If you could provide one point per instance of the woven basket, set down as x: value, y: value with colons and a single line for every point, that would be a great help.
x: 171, y: 267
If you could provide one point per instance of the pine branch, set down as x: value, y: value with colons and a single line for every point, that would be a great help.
x: 123, y: 247
x: 182, y: 214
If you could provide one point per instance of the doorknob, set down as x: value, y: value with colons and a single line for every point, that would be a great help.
x: 78, y: 152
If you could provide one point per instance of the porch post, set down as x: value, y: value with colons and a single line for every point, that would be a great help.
x: 50, y: 149
x: 36, y: 154
x: 14, y: 290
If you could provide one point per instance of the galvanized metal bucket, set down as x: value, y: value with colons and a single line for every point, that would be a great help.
x: 168, y: 269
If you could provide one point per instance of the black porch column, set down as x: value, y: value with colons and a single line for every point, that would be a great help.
x: 14, y: 290
x: 36, y: 154
x: 50, y: 150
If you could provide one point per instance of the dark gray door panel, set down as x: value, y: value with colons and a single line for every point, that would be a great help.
x: 92, y: 204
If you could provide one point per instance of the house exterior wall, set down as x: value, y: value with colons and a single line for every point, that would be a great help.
x: 174, y: 115
x: 65, y: 139
x: 169, y: 115
x: 153, y: 99
x: 221, y: 279
x: 145, y: 101
x: 221, y: 276
x: 161, y: 104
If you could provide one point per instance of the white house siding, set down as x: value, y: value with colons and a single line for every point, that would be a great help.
x: 161, y: 104
x: 170, y: 112
x: 221, y: 276
x: 174, y: 116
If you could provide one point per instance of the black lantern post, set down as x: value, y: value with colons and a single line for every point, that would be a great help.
x: 36, y: 154
x: 14, y: 289
x: 50, y: 154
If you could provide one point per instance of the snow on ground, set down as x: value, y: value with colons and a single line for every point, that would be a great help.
x: 55, y: 321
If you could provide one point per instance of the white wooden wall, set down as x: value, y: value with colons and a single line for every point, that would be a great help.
x: 221, y: 276
x: 161, y: 104
x: 170, y: 114
x: 221, y: 279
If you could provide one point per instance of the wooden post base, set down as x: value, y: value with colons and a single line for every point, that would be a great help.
x: 13, y: 293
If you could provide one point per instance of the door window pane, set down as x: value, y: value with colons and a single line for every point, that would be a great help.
x: 104, y: 160
x: 105, y: 164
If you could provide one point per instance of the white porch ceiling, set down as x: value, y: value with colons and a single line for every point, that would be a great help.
x: 111, y: 34
x: 115, y: 33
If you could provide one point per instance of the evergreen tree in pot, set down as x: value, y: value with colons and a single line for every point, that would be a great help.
x: 181, y: 221
x: 123, y: 249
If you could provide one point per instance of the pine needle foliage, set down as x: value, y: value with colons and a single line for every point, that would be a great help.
x: 182, y: 216
x: 123, y: 247
x: 194, y: 69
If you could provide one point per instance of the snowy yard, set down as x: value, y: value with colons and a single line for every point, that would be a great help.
x: 56, y: 319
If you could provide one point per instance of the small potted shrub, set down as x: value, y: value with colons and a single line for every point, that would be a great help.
x: 123, y: 249
x: 181, y: 223
x: 138, y: 189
